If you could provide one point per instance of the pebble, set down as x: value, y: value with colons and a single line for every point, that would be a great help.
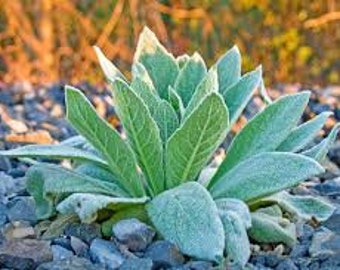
x: 329, y: 187
x: 18, y: 253
x: 22, y: 208
x: 106, y: 253
x: 333, y: 223
x: 137, y: 263
x: 3, y: 214
x: 164, y: 254
x: 72, y: 263
x: 197, y: 265
x: 334, y: 152
x: 135, y: 235
x: 325, y: 243
x: 18, y: 230
x: 287, y: 264
x: 79, y: 247
x: 85, y: 232
x: 60, y: 253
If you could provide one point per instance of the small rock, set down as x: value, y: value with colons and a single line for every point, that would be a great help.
x: 73, y: 263
x: 22, y: 208
x: 299, y: 250
x: 329, y: 187
x: 325, y: 243
x: 304, y: 232
x: 18, y: 253
x: 60, y: 253
x: 79, y: 247
x: 62, y: 241
x: 266, y: 259
x: 3, y: 214
x: 286, y: 264
x: 334, y: 152
x: 333, y: 223
x: 137, y: 263
x: 106, y: 253
x: 164, y: 254
x: 196, y: 265
x: 133, y: 233
x: 18, y: 230
x: 332, y: 262
x: 85, y: 232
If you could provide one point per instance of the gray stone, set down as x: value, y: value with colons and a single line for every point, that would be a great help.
x: 333, y: 223
x: 106, y: 253
x: 17, y: 253
x: 299, y: 250
x: 133, y: 234
x: 3, y: 214
x: 199, y: 265
x: 325, y: 243
x: 164, y: 254
x: 329, y: 187
x: 286, y: 264
x: 17, y: 230
x: 79, y: 247
x: 85, y: 232
x: 60, y: 253
x: 10, y: 186
x: 266, y: 259
x: 137, y: 263
x: 73, y: 263
x: 305, y: 232
x: 22, y: 208
x: 332, y: 262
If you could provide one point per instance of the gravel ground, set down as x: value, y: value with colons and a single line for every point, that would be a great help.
x: 37, y: 116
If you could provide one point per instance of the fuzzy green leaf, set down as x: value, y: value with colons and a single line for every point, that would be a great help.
x: 304, y: 207
x: 265, y: 132
x: 142, y: 132
x: 96, y: 172
x: 192, y: 224
x: 176, y: 102
x: 46, y: 181
x: 56, y: 228
x: 189, y: 77
x: 54, y: 152
x: 140, y: 72
x: 303, y: 134
x: 87, y: 205
x: 265, y: 174
x: 238, y: 95
x: 182, y: 60
x: 208, y: 85
x: 161, y: 65
x: 319, y: 151
x: 229, y: 68
x: 193, y: 144
x: 236, y: 206
x: 145, y: 92
x: 236, y: 238
x: 105, y: 139
x: 111, y: 72
x: 166, y: 119
x: 270, y: 229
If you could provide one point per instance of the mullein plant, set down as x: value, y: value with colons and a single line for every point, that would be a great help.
x: 176, y: 113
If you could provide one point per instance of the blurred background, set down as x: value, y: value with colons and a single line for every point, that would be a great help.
x: 296, y: 41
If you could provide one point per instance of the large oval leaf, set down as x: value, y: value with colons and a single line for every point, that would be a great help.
x: 193, y: 144
x: 319, y: 151
x: 265, y: 132
x: 189, y: 77
x: 236, y: 238
x: 303, y: 134
x: 46, y: 181
x: 161, y: 65
x: 87, y: 205
x: 238, y: 95
x: 55, y: 152
x: 142, y: 132
x: 208, y: 85
x: 229, y: 68
x: 188, y: 217
x: 272, y: 229
x: 111, y: 72
x: 105, y: 139
x: 265, y: 174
